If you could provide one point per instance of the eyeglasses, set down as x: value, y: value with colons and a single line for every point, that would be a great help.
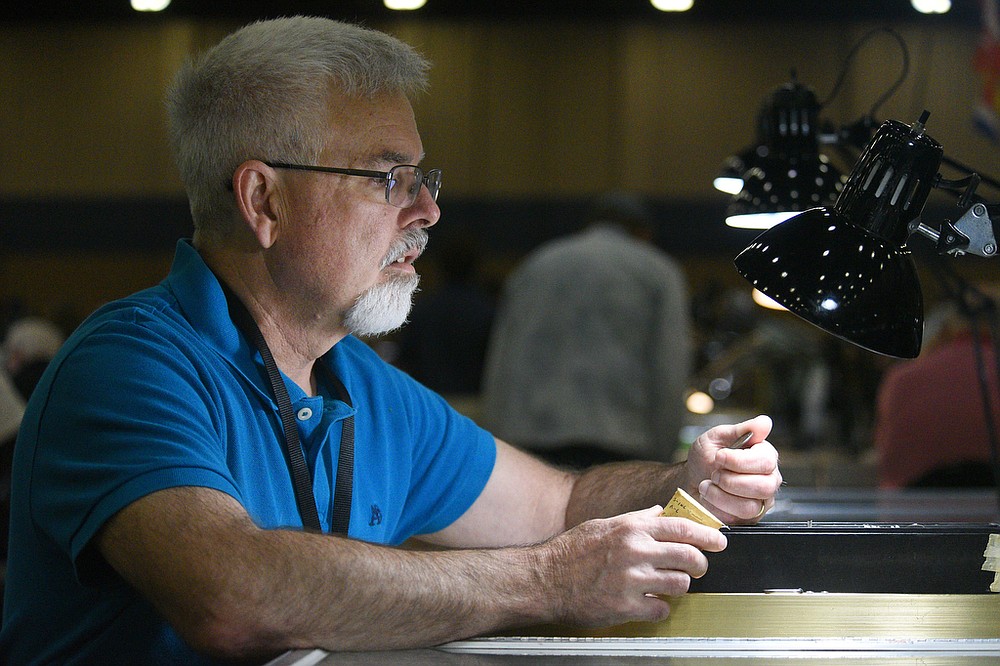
x: 402, y: 182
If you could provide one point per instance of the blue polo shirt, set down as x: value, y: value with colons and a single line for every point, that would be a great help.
x: 159, y: 390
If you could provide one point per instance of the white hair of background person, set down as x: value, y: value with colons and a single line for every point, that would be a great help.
x: 30, y: 339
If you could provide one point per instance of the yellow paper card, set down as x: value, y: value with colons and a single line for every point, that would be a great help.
x: 685, y: 506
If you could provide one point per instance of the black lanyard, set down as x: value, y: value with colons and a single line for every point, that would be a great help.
x: 301, y: 479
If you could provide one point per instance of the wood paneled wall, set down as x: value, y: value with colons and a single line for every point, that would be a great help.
x: 517, y: 110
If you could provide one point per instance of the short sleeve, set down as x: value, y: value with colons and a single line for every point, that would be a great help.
x: 124, y: 415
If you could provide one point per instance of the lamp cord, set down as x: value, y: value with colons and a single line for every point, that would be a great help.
x: 863, y: 127
x: 850, y: 57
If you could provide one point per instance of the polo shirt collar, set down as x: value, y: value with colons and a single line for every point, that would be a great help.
x: 203, y: 304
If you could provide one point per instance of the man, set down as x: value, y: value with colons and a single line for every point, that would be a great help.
x: 155, y: 518
x: 590, y: 351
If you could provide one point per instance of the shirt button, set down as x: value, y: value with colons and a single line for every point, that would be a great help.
x: 305, y: 414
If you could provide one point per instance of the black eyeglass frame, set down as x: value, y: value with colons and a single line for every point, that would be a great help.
x: 424, y: 178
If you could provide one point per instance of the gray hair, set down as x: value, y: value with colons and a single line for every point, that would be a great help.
x: 264, y: 91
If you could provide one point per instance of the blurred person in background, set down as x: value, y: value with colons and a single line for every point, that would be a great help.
x: 11, y: 412
x: 28, y: 346
x: 931, y: 428
x: 591, y: 349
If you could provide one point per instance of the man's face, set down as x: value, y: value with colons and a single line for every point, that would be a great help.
x: 339, y: 238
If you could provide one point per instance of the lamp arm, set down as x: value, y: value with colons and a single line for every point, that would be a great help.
x: 992, y: 182
x: 964, y: 187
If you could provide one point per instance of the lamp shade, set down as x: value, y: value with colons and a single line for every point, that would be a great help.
x: 786, y: 174
x: 776, y: 189
x: 841, y: 278
x: 846, y: 268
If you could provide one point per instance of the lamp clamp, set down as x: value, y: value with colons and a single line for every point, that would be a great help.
x: 973, y: 232
x: 970, y: 234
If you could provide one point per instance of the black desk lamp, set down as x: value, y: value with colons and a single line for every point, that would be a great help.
x: 785, y: 173
x: 847, y: 269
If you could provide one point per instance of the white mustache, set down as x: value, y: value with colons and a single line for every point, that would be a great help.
x: 413, y: 239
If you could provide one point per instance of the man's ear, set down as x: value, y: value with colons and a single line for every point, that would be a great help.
x: 255, y: 189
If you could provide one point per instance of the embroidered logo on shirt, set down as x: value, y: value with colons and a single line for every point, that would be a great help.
x: 376, y: 518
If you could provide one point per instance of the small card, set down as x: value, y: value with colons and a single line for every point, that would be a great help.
x: 685, y: 506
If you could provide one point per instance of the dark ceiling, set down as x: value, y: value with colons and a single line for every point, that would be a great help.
x: 833, y: 11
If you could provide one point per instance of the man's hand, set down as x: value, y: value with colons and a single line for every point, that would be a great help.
x: 737, y: 485
x: 611, y: 570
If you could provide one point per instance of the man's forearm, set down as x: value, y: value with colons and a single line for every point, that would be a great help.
x: 235, y: 591
x: 598, y: 574
x: 350, y: 595
x: 608, y: 490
